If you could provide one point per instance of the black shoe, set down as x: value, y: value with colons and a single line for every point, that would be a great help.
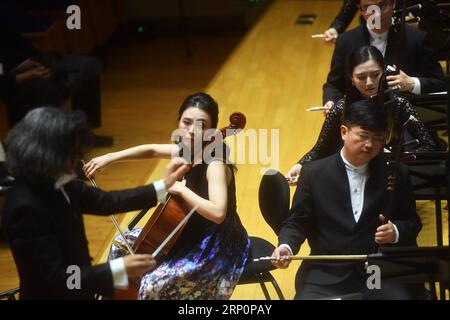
x: 102, y: 141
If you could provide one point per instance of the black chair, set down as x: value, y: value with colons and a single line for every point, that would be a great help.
x: 274, y: 197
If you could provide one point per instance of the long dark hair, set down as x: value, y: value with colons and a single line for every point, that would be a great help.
x: 204, y: 102
x: 362, y: 55
x: 357, y: 57
x: 41, y: 146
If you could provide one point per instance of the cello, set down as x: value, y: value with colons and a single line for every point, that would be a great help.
x: 166, y: 224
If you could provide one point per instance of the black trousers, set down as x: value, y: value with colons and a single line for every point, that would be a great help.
x: 355, y: 287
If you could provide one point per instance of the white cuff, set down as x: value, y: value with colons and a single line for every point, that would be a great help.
x: 287, y: 247
x: 397, y: 236
x: 161, y: 192
x: 119, y: 273
x: 2, y: 153
x: 416, y: 89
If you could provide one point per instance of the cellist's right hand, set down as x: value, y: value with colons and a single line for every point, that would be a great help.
x: 175, y: 171
x: 138, y: 265
x: 97, y: 164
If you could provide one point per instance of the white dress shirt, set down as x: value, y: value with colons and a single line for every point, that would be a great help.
x: 357, y: 178
x: 379, y: 40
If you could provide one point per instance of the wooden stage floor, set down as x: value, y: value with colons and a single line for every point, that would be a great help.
x: 271, y: 74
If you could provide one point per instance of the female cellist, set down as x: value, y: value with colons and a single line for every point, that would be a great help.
x: 209, y: 257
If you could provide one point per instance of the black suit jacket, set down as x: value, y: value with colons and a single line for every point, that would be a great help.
x: 415, y: 57
x: 46, y: 235
x: 322, y: 213
x: 345, y: 16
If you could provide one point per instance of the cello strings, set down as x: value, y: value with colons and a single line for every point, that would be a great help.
x: 174, y: 231
x: 114, y: 220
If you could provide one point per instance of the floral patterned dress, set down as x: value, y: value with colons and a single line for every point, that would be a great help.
x: 207, y: 259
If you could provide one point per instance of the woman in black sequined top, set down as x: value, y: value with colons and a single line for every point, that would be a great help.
x: 210, y: 255
x: 365, y: 70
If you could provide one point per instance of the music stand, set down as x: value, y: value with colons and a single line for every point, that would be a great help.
x: 429, y: 181
x: 428, y: 172
x: 414, y: 265
x: 431, y: 108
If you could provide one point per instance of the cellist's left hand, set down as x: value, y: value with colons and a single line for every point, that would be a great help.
x: 175, y: 170
x: 385, y: 233
x: 178, y: 188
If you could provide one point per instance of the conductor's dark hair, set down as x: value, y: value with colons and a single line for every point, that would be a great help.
x: 41, y: 146
x: 357, y: 57
x: 204, y: 102
x: 365, y: 114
